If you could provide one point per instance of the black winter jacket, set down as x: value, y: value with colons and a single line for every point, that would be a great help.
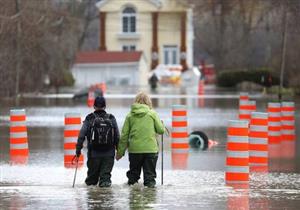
x: 84, y: 134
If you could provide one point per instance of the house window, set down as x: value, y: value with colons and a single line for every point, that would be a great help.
x: 129, y: 20
x: 170, y: 54
x: 128, y: 48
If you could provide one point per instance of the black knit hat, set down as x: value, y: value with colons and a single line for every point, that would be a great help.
x: 99, y: 102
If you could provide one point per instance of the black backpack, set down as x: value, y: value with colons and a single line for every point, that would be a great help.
x: 101, y: 132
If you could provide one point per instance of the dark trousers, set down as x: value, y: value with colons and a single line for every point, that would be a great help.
x: 99, y: 169
x: 147, y: 161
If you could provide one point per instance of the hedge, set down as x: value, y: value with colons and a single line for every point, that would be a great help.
x: 259, y: 76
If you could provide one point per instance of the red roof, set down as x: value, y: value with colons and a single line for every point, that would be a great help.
x: 107, y: 57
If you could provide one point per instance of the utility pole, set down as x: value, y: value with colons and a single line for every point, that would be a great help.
x: 18, y: 50
x: 73, y: 7
x: 283, y: 51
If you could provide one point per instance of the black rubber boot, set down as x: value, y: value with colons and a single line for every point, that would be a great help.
x: 149, y: 169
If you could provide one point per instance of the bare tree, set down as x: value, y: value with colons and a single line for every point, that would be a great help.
x: 47, y: 35
x: 225, y: 30
x: 243, y: 34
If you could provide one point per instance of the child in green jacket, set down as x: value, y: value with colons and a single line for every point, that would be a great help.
x: 139, y: 137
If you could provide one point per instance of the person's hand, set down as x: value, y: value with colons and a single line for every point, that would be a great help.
x: 78, y: 153
x: 118, y: 157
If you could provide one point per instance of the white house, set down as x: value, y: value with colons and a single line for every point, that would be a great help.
x: 113, y: 68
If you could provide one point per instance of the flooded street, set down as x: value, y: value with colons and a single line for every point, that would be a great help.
x: 198, y: 183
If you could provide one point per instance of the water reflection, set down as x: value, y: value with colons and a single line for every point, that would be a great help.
x: 288, y: 149
x: 179, y: 159
x: 239, y: 197
x: 142, y: 198
x: 118, y: 197
x: 16, y: 202
x: 259, y: 203
x: 100, y: 198
x: 19, y: 160
x: 283, y: 157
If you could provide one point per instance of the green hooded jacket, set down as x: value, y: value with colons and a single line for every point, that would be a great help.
x: 139, y: 131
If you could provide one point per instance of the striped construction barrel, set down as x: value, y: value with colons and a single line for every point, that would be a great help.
x: 274, y: 123
x: 258, y: 142
x: 244, y: 96
x: 71, y: 132
x: 288, y: 121
x: 245, y: 109
x: 179, y: 136
x: 201, y: 85
x: 18, y: 139
x: 91, y: 97
x: 237, y: 160
x: 201, y: 92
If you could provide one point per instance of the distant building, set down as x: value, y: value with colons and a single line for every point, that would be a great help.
x: 113, y: 68
x: 161, y: 29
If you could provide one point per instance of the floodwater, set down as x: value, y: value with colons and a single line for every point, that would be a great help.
x: 197, y: 183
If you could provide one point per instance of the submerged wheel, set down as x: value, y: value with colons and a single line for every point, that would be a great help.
x: 198, y: 139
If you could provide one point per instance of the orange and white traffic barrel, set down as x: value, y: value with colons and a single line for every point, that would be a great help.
x: 246, y: 108
x: 103, y: 87
x: 201, y: 85
x: 288, y: 137
x: 274, y: 123
x: 237, y: 161
x: 244, y: 96
x: 91, y: 97
x: 18, y: 139
x: 258, y: 142
x: 201, y: 92
x: 71, y: 132
x: 180, y: 144
x: 288, y: 121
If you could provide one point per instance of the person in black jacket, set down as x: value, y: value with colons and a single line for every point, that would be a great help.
x: 100, y: 159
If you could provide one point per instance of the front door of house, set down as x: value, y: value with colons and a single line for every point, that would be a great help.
x: 170, y: 54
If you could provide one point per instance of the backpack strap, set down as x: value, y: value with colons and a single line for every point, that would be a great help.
x: 110, y: 116
x: 91, y: 124
x: 112, y: 127
x: 95, y: 116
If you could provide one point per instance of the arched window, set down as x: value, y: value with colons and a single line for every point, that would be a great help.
x: 129, y: 20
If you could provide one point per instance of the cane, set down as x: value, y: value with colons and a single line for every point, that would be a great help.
x: 162, y: 159
x: 162, y: 155
x: 77, y: 158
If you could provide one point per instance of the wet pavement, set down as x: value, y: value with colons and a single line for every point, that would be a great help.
x: 44, y: 183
